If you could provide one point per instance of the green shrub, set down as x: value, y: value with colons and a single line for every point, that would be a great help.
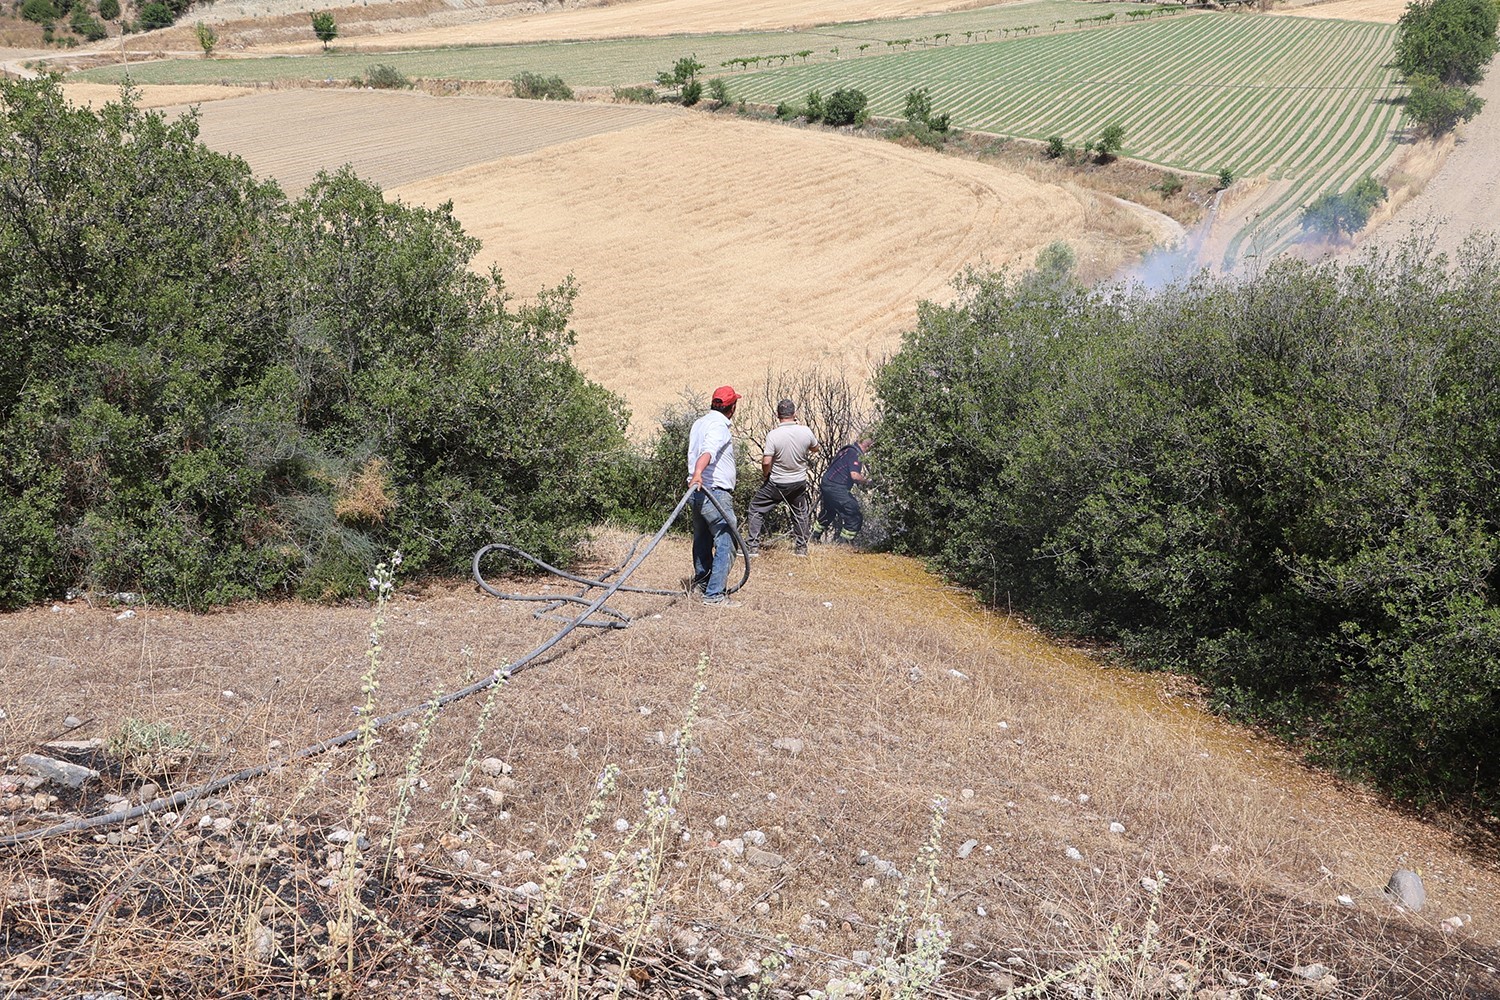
x: 1342, y: 213
x: 1288, y: 486
x: 222, y: 393
x: 718, y: 90
x: 918, y: 111
x: 1169, y: 185
x: 384, y: 76
x: 536, y: 87
x: 691, y: 94
x: 156, y: 15
x: 907, y: 133
x: 1226, y: 177
x: 637, y: 95
x: 109, y: 9
x: 324, y: 27
x: 846, y: 107
x: 85, y: 24
x: 1056, y: 146
x: 1437, y: 108
x: 39, y: 11
x: 814, y: 109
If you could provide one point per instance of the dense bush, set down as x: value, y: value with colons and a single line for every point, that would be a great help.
x: 1338, y: 213
x: 384, y: 76
x: 1288, y: 486
x: 87, y: 25
x: 40, y: 11
x: 208, y: 392
x: 156, y: 15
x: 109, y: 9
x: 637, y: 95
x: 536, y: 87
x: 1452, y: 40
x: 1437, y: 108
x: 846, y: 106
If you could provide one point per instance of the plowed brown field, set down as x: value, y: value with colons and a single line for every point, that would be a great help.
x: 95, y: 94
x: 711, y: 250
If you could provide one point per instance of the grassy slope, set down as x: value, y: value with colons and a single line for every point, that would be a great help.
x: 901, y: 693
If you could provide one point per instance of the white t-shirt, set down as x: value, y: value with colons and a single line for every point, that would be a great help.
x: 711, y: 433
x: 787, y: 446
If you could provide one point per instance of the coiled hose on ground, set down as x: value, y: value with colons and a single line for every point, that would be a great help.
x: 591, y: 607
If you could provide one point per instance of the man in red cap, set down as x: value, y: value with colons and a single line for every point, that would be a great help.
x: 710, y: 462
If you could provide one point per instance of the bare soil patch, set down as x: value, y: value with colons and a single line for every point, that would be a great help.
x: 898, y: 691
x: 711, y: 250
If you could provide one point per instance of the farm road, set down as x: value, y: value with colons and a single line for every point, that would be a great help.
x: 395, y: 138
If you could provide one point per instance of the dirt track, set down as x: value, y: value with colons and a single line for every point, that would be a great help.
x: 1379, y: 11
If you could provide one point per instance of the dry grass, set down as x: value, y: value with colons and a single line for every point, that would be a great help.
x: 402, y: 25
x: 709, y: 250
x: 901, y: 692
x: 1379, y: 11
x: 96, y: 95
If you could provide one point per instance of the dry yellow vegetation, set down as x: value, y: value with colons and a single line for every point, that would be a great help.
x: 1379, y: 11
x: 96, y: 94
x: 709, y: 250
x: 634, y: 18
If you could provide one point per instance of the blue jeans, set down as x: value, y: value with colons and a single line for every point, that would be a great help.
x: 713, y: 545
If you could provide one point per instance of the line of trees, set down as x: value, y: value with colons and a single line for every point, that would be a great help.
x: 1288, y: 487
x: 1443, y: 48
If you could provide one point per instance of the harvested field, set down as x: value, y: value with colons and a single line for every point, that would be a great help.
x: 1379, y: 11
x: 417, y: 135
x: 828, y: 729
x: 710, y: 250
x: 168, y: 96
x: 500, y: 24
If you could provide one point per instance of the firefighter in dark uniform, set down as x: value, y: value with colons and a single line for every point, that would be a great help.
x: 840, y: 517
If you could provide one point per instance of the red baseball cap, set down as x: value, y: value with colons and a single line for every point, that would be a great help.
x: 725, y: 395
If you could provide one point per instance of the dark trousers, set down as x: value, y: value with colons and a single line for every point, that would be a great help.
x: 768, y: 498
x: 837, y: 508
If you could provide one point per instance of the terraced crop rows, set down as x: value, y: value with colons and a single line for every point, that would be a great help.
x: 1309, y: 102
x: 612, y: 62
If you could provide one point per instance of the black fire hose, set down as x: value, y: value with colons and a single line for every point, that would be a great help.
x: 189, y: 795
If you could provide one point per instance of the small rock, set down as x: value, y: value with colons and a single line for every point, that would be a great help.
x: 494, y: 767
x: 753, y: 837
x: 721, y: 823
x: 734, y: 847
x: 1073, y: 854
x: 789, y: 744
x: 72, y: 722
x: 967, y: 848
x: 123, y: 615
x: 59, y: 771
x: 762, y: 908
x: 148, y: 791
x: 1405, y: 889
x: 1312, y: 973
x: 763, y: 859
x: 1117, y: 827
x: 967, y: 794
x: 1150, y: 884
x: 1346, y: 900
x: 1454, y: 923
x: 621, y: 825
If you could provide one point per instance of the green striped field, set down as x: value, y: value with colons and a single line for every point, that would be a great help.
x: 619, y: 61
x: 1312, y: 103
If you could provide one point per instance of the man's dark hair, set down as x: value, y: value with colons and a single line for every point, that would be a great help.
x: 786, y: 408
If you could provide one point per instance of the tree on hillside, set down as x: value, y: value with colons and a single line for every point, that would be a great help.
x: 1344, y: 213
x: 207, y: 38
x: 324, y: 27
x: 1109, y: 143
x: 1436, y: 108
x: 1452, y: 40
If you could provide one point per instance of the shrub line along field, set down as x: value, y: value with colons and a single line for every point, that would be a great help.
x: 1313, y: 103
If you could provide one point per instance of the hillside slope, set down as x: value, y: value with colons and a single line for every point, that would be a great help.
x: 848, y: 694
